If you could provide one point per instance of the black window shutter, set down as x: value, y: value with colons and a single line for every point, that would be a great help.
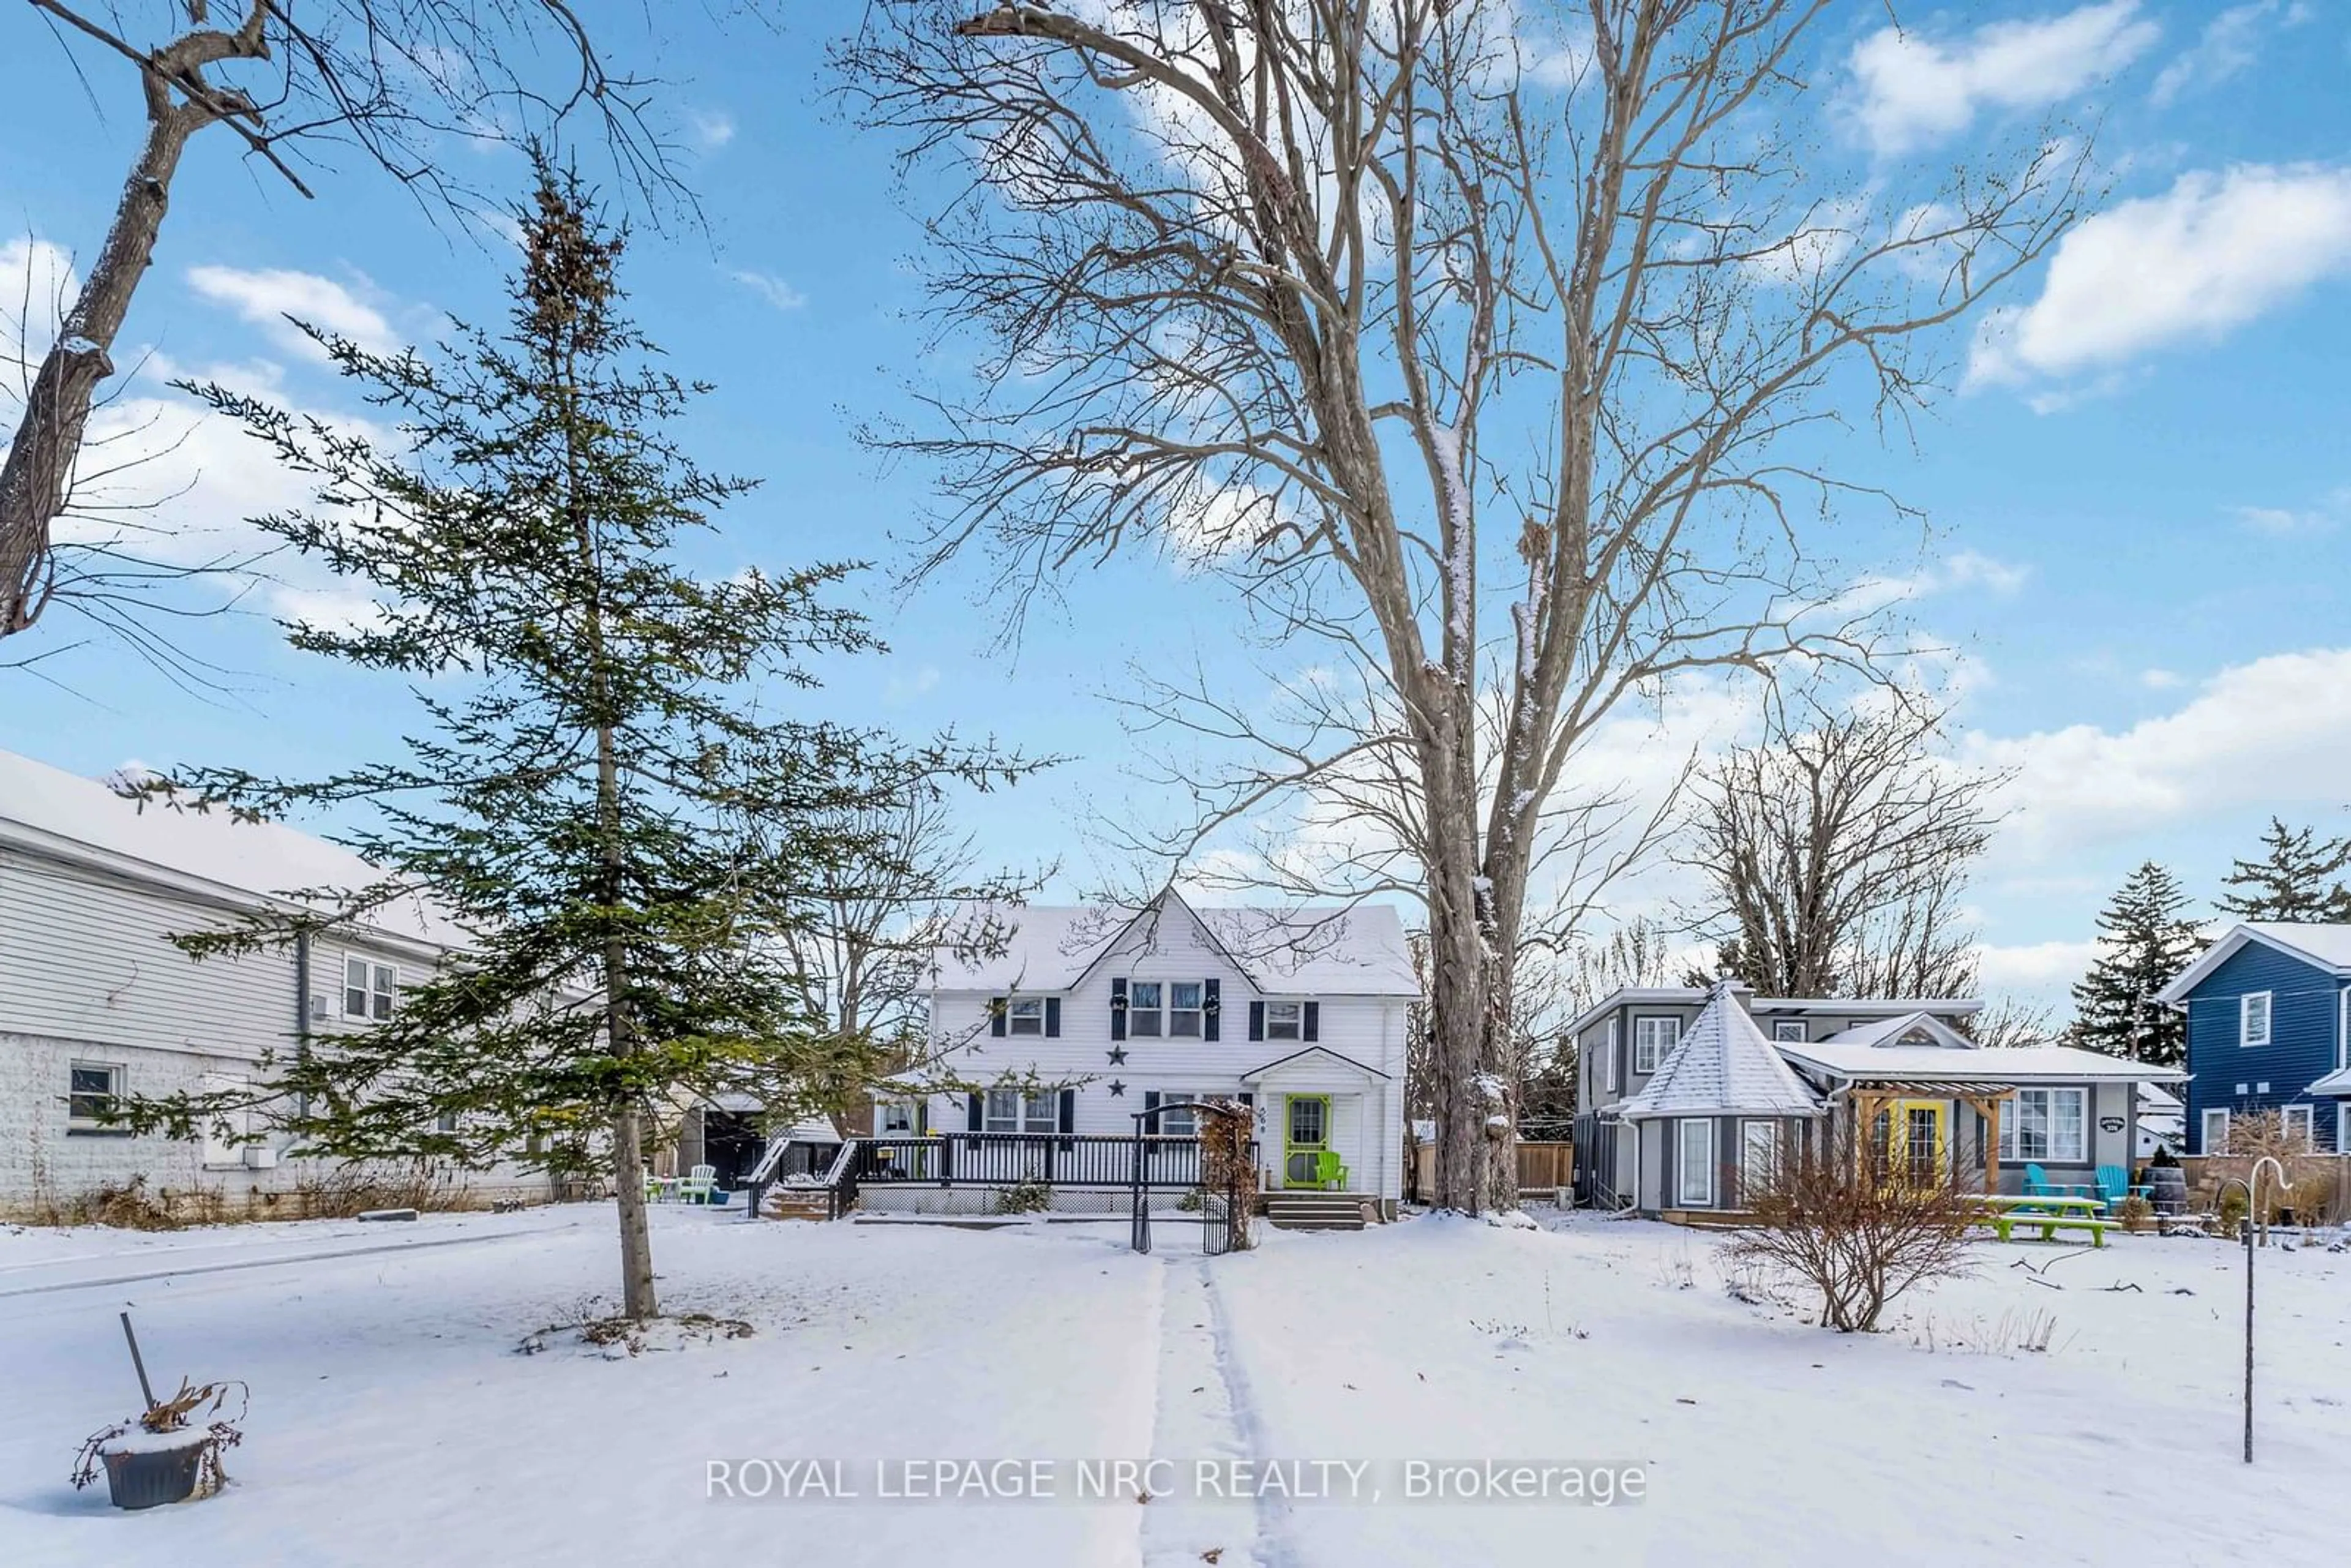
x: 1052, y: 1018
x: 972, y: 1111
x: 1257, y: 1020
x: 1067, y: 1119
x: 1150, y: 1102
x: 1213, y: 1005
x: 996, y: 1008
x: 1313, y: 1027
x: 1118, y: 1008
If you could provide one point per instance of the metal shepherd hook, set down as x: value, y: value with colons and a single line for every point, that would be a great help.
x: 2252, y: 1182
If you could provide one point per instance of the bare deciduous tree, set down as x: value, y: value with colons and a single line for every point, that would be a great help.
x: 1495, y: 382
x: 1838, y: 851
x: 398, y: 80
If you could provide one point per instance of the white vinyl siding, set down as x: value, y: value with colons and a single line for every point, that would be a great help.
x: 1654, y: 1040
x: 2253, y: 1019
x: 1694, y: 1178
x: 2052, y: 1125
x: 88, y: 958
x: 2216, y: 1132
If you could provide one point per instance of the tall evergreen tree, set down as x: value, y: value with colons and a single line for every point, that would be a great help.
x: 596, y: 796
x: 2144, y: 941
x: 2298, y: 878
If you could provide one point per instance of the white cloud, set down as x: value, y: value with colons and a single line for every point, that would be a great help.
x: 269, y: 295
x: 2287, y: 522
x: 2206, y: 256
x: 2034, y: 966
x: 2228, y: 47
x: 2162, y: 680
x: 770, y: 287
x: 712, y: 127
x: 37, y: 284
x: 1916, y: 90
x: 2274, y: 732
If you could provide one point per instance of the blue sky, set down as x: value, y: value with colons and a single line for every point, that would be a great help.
x: 2141, y: 497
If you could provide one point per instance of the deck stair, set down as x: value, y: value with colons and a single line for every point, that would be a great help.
x: 1315, y: 1210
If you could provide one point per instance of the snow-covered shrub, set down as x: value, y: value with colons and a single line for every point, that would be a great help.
x: 1031, y: 1197
x: 1856, y: 1232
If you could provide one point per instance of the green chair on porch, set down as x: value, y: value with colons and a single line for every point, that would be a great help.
x: 2115, y: 1187
x: 1328, y: 1174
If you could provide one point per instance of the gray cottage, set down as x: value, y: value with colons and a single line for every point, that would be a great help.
x: 1681, y: 1112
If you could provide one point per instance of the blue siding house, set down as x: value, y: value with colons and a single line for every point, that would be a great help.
x: 2269, y: 1029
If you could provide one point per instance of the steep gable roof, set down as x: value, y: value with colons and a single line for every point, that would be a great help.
x: 1723, y: 1066
x: 2322, y: 947
x: 1895, y: 1032
x: 1330, y: 951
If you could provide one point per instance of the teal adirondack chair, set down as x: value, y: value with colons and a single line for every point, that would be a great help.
x: 1328, y: 1174
x: 2038, y: 1185
x: 2115, y: 1185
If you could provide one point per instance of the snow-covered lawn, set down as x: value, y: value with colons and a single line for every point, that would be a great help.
x: 394, y: 1421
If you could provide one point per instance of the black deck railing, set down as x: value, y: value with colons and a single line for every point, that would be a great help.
x: 1165, y: 1160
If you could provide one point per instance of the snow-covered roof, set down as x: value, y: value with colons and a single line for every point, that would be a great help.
x: 1881, y: 1032
x: 1336, y: 951
x: 2327, y: 946
x: 2154, y: 1098
x: 2336, y: 1082
x: 1811, y: 1006
x: 1723, y: 1066
x: 2021, y: 1064
x: 62, y: 815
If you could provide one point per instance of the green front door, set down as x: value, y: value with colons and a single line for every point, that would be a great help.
x: 1305, y: 1133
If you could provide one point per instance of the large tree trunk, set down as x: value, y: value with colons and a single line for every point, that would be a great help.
x: 38, y: 474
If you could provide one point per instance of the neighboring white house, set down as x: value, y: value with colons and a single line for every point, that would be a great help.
x: 1299, y: 1013
x: 95, y: 1001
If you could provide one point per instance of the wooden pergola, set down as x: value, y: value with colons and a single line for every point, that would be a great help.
x: 1869, y: 1096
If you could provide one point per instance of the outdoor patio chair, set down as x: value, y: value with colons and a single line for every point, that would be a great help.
x: 1328, y: 1174
x: 2115, y: 1187
x: 2038, y: 1185
x: 699, y: 1185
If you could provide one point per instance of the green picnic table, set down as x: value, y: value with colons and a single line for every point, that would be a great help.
x: 2045, y: 1212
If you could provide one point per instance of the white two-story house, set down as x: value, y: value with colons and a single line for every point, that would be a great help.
x: 96, y: 1002
x: 1087, y: 1015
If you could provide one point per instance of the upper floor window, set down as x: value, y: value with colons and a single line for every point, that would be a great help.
x: 1143, y: 1001
x: 1788, y: 1029
x: 2253, y: 1019
x: 1184, y: 1009
x: 1025, y: 1015
x: 1285, y: 1020
x: 369, y: 991
x: 1654, y: 1040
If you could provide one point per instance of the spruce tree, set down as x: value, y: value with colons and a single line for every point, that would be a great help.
x: 2143, y: 942
x: 2298, y: 878
x: 594, y: 794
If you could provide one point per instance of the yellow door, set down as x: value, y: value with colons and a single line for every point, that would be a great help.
x: 1910, y: 1138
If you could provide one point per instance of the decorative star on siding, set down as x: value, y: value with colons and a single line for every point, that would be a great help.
x: 1118, y: 1056
x: 1117, y: 1089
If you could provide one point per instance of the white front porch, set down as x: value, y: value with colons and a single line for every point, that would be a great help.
x: 1322, y: 1116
